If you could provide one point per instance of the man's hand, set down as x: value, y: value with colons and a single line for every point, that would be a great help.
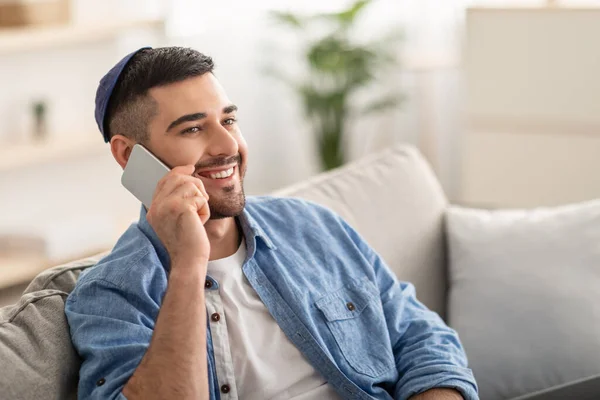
x: 178, y: 213
x: 438, y: 394
x: 174, y: 366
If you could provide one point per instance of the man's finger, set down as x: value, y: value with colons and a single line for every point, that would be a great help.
x: 203, y: 209
x: 181, y: 180
x: 184, y: 169
x: 174, y: 181
x: 200, y: 185
x: 180, y: 170
x: 176, y: 178
x: 186, y: 190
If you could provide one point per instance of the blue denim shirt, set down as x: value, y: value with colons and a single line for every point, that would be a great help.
x: 306, y: 264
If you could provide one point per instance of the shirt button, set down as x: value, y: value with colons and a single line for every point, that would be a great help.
x: 225, y: 389
x: 208, y: 284
x: 215, y: 317
x: 350, y: 306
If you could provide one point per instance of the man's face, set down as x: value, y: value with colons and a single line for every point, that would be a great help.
x: 196, y: 124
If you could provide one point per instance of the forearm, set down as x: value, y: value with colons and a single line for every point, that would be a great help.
x: 438, y: 394
x: 175, y: 365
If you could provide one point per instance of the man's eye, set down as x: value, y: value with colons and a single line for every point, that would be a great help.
x: 189, y: 131
x: 229, y: 121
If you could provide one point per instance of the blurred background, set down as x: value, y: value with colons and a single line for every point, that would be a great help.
x: 500, y: 96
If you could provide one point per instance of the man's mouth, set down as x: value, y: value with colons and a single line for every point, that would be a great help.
x: 218, y: 174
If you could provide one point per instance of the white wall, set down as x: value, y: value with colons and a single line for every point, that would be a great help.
x: 237, y: 35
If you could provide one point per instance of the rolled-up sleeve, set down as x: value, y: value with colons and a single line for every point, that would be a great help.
x: 428, y: 354
x: 111, y: 329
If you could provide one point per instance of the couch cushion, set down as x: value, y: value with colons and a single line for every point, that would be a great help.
x: 394, y: 201
x: 524, y: 290
x: 36, y: 355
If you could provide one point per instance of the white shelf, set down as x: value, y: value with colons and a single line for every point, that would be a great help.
x: 20, y: 269
x: 17, y: 270
x: 13, y: 40
x: 24, y: 155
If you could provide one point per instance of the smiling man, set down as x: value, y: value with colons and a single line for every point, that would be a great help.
x: 212, y: 295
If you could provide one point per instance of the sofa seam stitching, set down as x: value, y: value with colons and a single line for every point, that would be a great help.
x: 16, y: 312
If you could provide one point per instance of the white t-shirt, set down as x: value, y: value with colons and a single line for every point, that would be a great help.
x: 255, y: 352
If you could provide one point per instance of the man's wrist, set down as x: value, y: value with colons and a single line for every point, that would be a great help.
x: 191, y: 263
x: 192, y: 271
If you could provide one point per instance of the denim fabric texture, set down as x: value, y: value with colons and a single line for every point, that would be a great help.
x: 330, y: 293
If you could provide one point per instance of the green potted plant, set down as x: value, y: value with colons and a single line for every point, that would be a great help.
x: 338, y: 66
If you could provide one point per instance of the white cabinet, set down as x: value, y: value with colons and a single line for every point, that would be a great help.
x: 533, y: 107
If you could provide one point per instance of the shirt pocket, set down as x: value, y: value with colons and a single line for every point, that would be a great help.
x: 355, y: 318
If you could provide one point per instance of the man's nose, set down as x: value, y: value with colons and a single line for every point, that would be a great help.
x: 222, y: 142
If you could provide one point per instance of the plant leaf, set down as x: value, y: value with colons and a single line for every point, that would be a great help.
x: 384, y: 103
x: 287, y: 18
x: 347, y: 16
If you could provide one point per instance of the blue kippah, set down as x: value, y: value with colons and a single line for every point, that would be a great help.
x: 105, y: 89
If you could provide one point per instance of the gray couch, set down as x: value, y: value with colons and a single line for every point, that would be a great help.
x: 392, y: 198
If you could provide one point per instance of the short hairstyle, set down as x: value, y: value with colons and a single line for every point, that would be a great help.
x: 130, y: 108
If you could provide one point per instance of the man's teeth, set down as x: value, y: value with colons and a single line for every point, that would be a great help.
x: 222, y: 174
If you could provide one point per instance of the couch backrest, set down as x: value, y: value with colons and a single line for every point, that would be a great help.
x: 37, y: 360
x: 391, y: 198
x: 395, y: 202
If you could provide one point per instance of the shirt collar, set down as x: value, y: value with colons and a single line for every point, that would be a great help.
x: 250, y: 229
x: 253, y: 230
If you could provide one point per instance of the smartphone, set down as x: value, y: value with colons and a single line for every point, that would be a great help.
x: 142, y: 173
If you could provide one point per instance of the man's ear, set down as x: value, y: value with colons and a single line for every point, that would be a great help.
x: 121, y: 147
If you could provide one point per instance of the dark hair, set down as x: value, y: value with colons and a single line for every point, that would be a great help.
x: 130, y: 108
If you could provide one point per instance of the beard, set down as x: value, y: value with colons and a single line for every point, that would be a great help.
x: 229, y: 203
